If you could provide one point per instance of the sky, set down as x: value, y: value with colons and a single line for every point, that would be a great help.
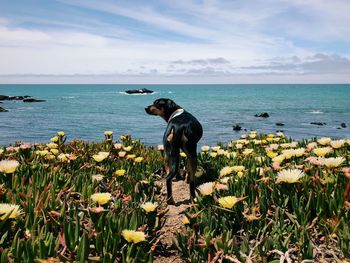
x: 167, y: 41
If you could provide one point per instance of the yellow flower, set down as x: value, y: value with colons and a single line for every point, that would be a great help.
x: 100, y: 156
x: 127, y: 149
x: 271, y: 154
x: 247, y: 151
x: 52, y: 145
x: 149, y: 207
x: 54, y: 151
x: 270, y: 135
x: 289, y: 176
x: 50, y: 156
x: 130, y: 156
x: 337, y: 144
x: 185, y: 220
x: 226, y: 171
x: 206, y: 188
x: 120, y: 172
x: 252, y: 135
x: 138, y: 159
x: 225, y: 180
x: 229, y: 201
x: 8, y: 166
x: 9, y: 211
x: 42, y: 153
x: 182, y: 154
x: 215, y: 148
x: 60, y: 133
x: 213, y: 155
x: 108, y: 133
x: 239, y: 146
x: 205, y: 148
x: 101, y: 198
x: 54, y: 139
x: 333, y: 162
x: 299, y: 152
x: 133, y: 236
x: 324, y: 141
x: 322, y: 151
x: 118, y: 146
x: 280, y: 134
x: 238, y: 168
x: 280, y: 158
x: 240, y: 174
x: 62, y: 157
x: 1, y: 150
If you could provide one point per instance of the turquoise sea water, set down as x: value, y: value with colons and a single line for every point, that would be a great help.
x: 86, y: 111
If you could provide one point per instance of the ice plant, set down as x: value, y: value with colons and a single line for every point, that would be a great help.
x: 120, y: 172
x: 206, y: 188
x: 289, y: 176
x: 138, y: 159
x: 227, y: 170
x: 323, y: 151
x: 100, y: 156
x: 149, y: 207
x: 333, y: 162
x: 60, y: 133
x: 52, y: 145
x: 324, y: 141
x: 8, y: 166
x: 337, y: 144
x: 215, y: 148
x: 9, y: 211
x: 97, y: 177
x: 108, y: 133
x: 101, y: 198
x: 247, y: 151
x: 229, y: 201
x: 127, y: 149
x: 205, y: 148
x: 238, y: 168
x: 54, y: 139
x: 133, y: 236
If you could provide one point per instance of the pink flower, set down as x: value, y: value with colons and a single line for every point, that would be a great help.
x: 276, y: 166
x: 346, y: 171
x: 315, y: 160
x: 25, y: 146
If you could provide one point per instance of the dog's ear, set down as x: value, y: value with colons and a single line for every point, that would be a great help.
x: 171, y: 104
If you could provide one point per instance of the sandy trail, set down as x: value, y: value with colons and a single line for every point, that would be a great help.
x: 173, y: 223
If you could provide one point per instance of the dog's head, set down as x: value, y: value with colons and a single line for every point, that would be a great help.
x: 163, y: 108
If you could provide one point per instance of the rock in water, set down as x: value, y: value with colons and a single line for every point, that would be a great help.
x: 33, y: 100
x: 318, y: 123
x: 262, y: 115
x: 343, y: 125
x: 3, y: 110
x: 279, y: 124
x: 237, y: 128
x: 139, y: 91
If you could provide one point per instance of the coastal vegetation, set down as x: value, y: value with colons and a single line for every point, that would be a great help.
x: 262, y: 198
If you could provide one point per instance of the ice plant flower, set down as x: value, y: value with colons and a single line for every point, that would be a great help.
x: 52, y: 145
x: 229, y: 201
x: 101, y: 198
x: 315, y: 160
x: 215, y: 148
x: 205, y: 148
x: 247, y: 151
x: 8, y: 166
x: 213, y: 155
x: 337, y: 144
x: 271, y: 154
x: 54, y: 139
x: 108, y: 133
x: 54, y: 151
x: 149, y: 207
x: 227, y: 170
x: 130, y: 156
x: 289, y: 176
x: 311, y: 146
x: 42, y: 153
x: 62, y: 157
x: 323, y: 151
x: 185, y: 220
x: 1, y: 150
x: 60, y: 133
x: 9, y: 211
x: 133, y: 236
x: 220, y: 187
x: 333, y: 162
x: 120, y: 172
x: 280, y: 158
x: 100, y: 156
x: 206, y: 188
x: 127, y: 149
x: 238, y: 168
x: 97, y: 177
x: 118, y: 146
x: 138, y: 159
x: 324, y: 141
x: 121, y: 154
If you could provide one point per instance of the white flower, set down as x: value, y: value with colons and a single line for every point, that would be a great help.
x: 207, y: 188
x: 324, y: 141
x: 227, y: 170
x: 8, y: 166
x: 289, y: 176
x: 337, y: 144
x: 333, y: 162
x: 149, y: 207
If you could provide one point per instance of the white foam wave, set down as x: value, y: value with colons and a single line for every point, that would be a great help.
x: 315, y: 112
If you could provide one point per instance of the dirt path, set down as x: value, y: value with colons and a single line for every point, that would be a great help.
x: 174, y: 222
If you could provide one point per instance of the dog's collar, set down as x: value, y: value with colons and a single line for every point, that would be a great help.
x: 176, y: 113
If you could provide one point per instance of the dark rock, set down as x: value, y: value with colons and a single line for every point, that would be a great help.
x: 318, y: 123
x: 3, y: 97
x: 237, y: 128
x: 279, y: 124
x: 262, y: 115
x: 15, y: 98
x: 33, y: 100
x: 343, y: 125
x: 139, y: 91
x: 3, y: 110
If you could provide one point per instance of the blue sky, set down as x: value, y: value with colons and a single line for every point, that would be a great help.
x: 166, y: 41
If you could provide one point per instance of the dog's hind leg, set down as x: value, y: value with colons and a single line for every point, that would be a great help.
x: 191, y: 151
x: 174, y: 160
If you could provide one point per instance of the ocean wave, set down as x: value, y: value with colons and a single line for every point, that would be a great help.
x: 315, y: 112
x: 68, y: 97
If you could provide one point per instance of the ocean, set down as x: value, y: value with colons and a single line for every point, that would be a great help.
x: 86, y: 111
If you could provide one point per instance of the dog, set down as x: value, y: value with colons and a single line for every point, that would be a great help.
x: 183, y: 132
